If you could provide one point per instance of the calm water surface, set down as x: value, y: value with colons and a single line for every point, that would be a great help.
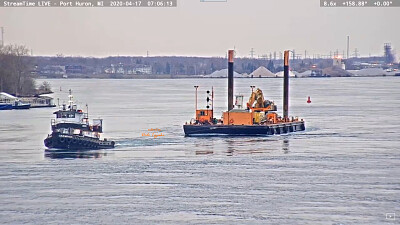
x: 343, y: 170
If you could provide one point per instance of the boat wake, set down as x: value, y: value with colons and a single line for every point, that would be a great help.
x: 146, y: 142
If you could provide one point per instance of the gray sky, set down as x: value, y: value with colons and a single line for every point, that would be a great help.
x: 202, y: 29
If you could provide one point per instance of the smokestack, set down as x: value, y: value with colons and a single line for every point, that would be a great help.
x: 230, y: 79
x: 286, y: 86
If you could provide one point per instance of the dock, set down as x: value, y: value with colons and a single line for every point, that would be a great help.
x: 39, y: 102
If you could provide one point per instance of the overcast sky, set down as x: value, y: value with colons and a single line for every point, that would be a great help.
x: 202, y: 29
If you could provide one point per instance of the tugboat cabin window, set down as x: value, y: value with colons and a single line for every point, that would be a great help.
x: 65, y: 115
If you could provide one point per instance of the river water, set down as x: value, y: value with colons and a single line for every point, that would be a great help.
x: 344, y: 169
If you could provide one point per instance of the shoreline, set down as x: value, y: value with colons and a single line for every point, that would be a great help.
x: 141, y: 77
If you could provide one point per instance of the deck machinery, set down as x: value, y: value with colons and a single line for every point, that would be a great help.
x: 259, y: 117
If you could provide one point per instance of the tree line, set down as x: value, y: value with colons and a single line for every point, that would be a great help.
x: 15, y: 66
x: 160, y: 64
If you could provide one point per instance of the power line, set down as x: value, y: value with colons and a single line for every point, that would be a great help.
x: 252, y: 53
x: 355, y: 53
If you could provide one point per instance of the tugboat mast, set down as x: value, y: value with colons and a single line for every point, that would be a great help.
x: 70, y: 99
x: 87, y: 111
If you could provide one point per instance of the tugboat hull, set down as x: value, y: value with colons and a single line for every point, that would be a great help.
x: 63, y: 141
x: 243, y: 130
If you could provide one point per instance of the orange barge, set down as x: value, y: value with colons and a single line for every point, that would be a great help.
x: 259, y: 118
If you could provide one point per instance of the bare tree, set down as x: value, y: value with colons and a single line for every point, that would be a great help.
x: 45, y: 87
x: 14, y: 67
x: 20, y: 67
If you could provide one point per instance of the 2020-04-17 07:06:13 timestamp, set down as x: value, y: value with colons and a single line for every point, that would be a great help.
x: 143, y: 3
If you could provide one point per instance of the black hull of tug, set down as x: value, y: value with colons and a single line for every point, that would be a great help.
x: 243, y: 130
x: 76, y: 142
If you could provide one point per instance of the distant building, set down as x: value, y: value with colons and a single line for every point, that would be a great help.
x: 110, y: 70
x: 337, y: 61
x: 366, y: 65
x: 120, y: 70
x: 128, y: 69
x: 59, y: 70
x: 143, y: 70
x: 71, y: 69
x: 389, y: 57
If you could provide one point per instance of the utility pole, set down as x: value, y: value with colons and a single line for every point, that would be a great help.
x: 348, y: 46
x: 147, y: 53
x: 294, y: 55
x: 2, y: 36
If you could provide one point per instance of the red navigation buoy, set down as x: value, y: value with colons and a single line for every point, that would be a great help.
x: 309, y: 100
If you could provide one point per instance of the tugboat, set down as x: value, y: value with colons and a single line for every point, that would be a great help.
x: 258, y: 119
x: 71, y: 130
